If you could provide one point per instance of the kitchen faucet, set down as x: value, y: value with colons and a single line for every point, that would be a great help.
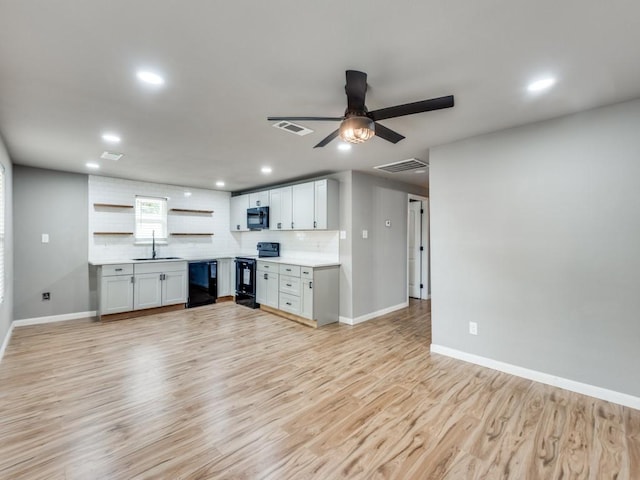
x: 153, y: 244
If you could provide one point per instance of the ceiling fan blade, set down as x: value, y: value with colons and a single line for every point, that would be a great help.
x: 411, y: 108
x: 305, y: 119
x: 328, y: 138
x: 356, y: 89
x: 388, y: 134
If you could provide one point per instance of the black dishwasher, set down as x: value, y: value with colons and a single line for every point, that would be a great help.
x: 203, y: 283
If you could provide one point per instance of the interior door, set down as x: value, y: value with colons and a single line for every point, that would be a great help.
x: 415, y: 252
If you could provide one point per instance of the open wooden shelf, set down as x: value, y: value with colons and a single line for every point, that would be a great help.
x: 113, y: 233
x: 191, y: 234
x: 186, y: 210
x: 111, y: 205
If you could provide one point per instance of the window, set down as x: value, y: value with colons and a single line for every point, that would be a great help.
x: 151, y: 218
x: 2, y: 202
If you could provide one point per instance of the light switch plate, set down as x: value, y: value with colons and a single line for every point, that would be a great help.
x: 343, y: 234
x: 45, y: 238
x: 365, y: 233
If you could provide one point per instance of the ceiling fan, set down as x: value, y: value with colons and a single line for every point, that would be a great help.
x: 359, y: 124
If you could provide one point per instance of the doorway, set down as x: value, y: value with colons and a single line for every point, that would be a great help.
x: 418, y: 248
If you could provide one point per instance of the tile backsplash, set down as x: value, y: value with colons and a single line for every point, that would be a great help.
x: 300, y: 244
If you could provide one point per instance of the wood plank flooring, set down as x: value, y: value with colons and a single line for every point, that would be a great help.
x: 226, y: 392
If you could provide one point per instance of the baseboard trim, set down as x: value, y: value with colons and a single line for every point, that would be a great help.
x: 369, y: 316
x: 5, y: 342
x: 53, y: 318
x: 546, y: 378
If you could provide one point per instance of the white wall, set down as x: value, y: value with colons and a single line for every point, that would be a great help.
x: 535, y: 235
x: 6, y: 307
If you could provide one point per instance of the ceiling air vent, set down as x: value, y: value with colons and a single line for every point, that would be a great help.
x: 402, y: 165
x: 111, y: 156
x: 293, y: 128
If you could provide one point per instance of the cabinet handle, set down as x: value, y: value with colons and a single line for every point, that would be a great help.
x: 289, y: 303
x: 310, y: 284
x: 133, y: 279
x: 279, y: 225
x: 288, y: 284
x: 288, y: 269
x: 118, y: 269
x: 315, y: 224
x: 266, y: 276
x: 257, y: 203
x: 291, y: 225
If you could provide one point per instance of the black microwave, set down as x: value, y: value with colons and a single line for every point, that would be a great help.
x: 258, y: 218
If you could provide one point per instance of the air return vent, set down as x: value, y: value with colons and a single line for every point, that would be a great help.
x: 111, y: 156
x: 293, y: 128
x: 402, y: 166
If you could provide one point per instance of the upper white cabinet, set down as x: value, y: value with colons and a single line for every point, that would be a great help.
x: 259, y: 199
x: 280, y: 212
x: 238, y: 213
x: 303, y: 205
x: 306, y: 206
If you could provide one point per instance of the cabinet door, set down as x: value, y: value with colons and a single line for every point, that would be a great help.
x: 147, y: 291
x: 320, y: 205
x: 273, y: 293
x: 307, y: 299
x: 280, y: 209
x: 174, y: 288
x: 261, y: 287
x: 116, y: 294
x: 224, y: 277
x: 303, y: 206
x: 259, y: 199
x: 238, y: 213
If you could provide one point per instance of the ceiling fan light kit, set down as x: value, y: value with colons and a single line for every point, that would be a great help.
x: 358, y: 124
x: 357, y: 129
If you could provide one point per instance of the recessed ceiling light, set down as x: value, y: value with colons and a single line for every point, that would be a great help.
x: 111, y: 138
x: 219, y: 183
x: 344, y: 147
x: 187, y: 194
x: 541, y: 84
x: 92, y: 165
x: 266, y: 170
x: 150, y: 77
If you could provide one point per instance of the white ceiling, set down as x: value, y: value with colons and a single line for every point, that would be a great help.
x: 67, y: 74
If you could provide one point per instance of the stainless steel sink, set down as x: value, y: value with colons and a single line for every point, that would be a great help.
x: 157, y: 258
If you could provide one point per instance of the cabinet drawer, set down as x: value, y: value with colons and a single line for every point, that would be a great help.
x: 290, y: 285
x: 292, y: 270
x: 119, y: 269
x: 267, y: 267
x: 290, y: 303
x: 306, y: 273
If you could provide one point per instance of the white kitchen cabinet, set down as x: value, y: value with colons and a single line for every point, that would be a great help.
x: 238, y: 213
x: 225, y: 280
x: 306, y: 285
x: 116, y: 288
x: 259, y: 199
x: 303, y: 206
x: 267, y: 284
x: 280, y: 208
x: 157, y: 284
x: 326, y: 204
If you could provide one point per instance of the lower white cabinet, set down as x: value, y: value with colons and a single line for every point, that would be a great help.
x: 309, y: 293
x: 116, y: 288
x: 267, y: 284
x: 226, y: 285
x: 127, y: 287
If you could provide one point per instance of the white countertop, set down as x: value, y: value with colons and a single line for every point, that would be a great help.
x: 303, y: 262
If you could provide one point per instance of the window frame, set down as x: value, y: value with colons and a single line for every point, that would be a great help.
x: 160, y: 237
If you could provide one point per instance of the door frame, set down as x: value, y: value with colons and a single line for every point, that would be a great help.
x: 425, y: 293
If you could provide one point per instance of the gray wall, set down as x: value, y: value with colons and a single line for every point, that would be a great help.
x: 6, y: 308
x: 47, y: 201
x: 379, y: 263
x: 535, y: 235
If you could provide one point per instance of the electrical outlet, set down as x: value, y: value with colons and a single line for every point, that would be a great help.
x: 473, y: 328
x: 46, y: 296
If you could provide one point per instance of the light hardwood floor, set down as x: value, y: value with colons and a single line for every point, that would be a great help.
x: 228, y: 392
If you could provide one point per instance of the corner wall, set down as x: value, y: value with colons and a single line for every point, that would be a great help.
x: 52, y: 202
x: 535, y: 235
x: 6, y: 307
